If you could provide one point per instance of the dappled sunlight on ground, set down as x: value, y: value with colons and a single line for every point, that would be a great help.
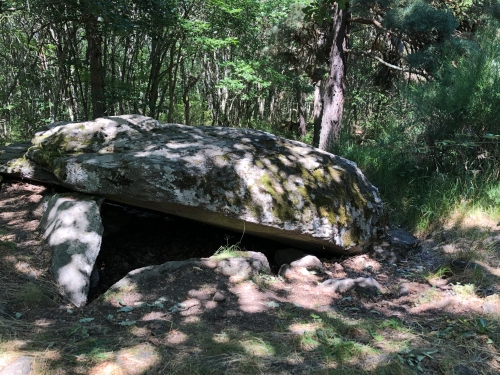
x: 197, y: 319
x: 249, y: 297
x: 472, y: 220
x: 130, y: 361
x: 492, y: 270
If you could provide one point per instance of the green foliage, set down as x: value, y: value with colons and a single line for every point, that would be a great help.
x: 432, y: 146
x: 461, y: 109
x: 417, y: 18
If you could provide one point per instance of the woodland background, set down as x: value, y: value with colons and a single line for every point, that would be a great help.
x: 409, y: 90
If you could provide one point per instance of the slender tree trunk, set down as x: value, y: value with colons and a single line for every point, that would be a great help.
x: 318, y: 111
x: 94, y: 51
x: 79, y: 92
x: 173, y: 82
x: 156, y: 59
x: 301, y: 120
x: 112, y: 104
x: 272, y: 99
x: 333, y: 99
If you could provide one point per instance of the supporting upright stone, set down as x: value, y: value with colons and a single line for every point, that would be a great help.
x: 72, y: 228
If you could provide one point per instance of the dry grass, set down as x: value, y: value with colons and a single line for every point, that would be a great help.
x: 352, y: 338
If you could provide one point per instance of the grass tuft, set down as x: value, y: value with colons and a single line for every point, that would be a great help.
x: 31, y: 295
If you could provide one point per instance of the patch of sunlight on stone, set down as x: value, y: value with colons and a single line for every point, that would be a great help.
x: 221, y: 338
x: 137, y: 359
x: 124, y: 290
x: 370, y: 362
x: 258, y: 348
x: 7, y: 358
x: 300, y: 328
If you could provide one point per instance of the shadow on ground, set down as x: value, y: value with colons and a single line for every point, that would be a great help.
x: 197, y: 320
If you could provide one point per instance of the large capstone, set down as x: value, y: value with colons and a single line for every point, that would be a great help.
x: 241, y: 179
x: 13, y: 162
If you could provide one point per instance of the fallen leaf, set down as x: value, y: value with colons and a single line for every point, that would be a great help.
x: 125, y: 309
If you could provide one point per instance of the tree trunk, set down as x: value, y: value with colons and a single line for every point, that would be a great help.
x: 156, y: 59
x: 301, y: 120
x: 94, y: 52
x: 175, y: 57
x: 333, y: 99
x: 318, y: 111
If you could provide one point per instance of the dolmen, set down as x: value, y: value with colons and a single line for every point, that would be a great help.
x: 244, y: 180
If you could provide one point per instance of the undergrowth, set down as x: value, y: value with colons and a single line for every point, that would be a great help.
x: 432, y: 147
x: 416, y: 196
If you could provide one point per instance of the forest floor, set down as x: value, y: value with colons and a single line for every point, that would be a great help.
x: 438, y: 312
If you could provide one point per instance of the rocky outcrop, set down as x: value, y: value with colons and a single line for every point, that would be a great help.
x: 240, y: 179
x: 72, y: 228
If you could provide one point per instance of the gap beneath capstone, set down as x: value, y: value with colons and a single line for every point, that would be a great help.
x: 135, y: 238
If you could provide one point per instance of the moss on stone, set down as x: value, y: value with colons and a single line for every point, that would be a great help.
x: 319, y: 176
x: 250, y: 204
x: 347, y: 239
x: 352, y: 236
x: 283, y: 208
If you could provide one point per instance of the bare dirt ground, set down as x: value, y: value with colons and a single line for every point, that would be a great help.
x: 437, y: 312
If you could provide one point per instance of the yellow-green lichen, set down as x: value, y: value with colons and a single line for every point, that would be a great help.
x: 347, y: 239
x: 283, y: 207
x: 351, y: 237
x: 318, y: 175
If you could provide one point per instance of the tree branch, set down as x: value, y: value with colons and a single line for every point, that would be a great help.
x: 372, y: 56
x: 10, y: 10
x: 367, y: 21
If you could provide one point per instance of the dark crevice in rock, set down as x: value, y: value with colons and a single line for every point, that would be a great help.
x: 135, y: 238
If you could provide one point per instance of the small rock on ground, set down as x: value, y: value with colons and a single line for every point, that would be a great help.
x: 309, y: 262
x: 403, y: 290
x: 366, y: 285
x: 21, y: 366
x: 219, y: 296
x: 287, y: 256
